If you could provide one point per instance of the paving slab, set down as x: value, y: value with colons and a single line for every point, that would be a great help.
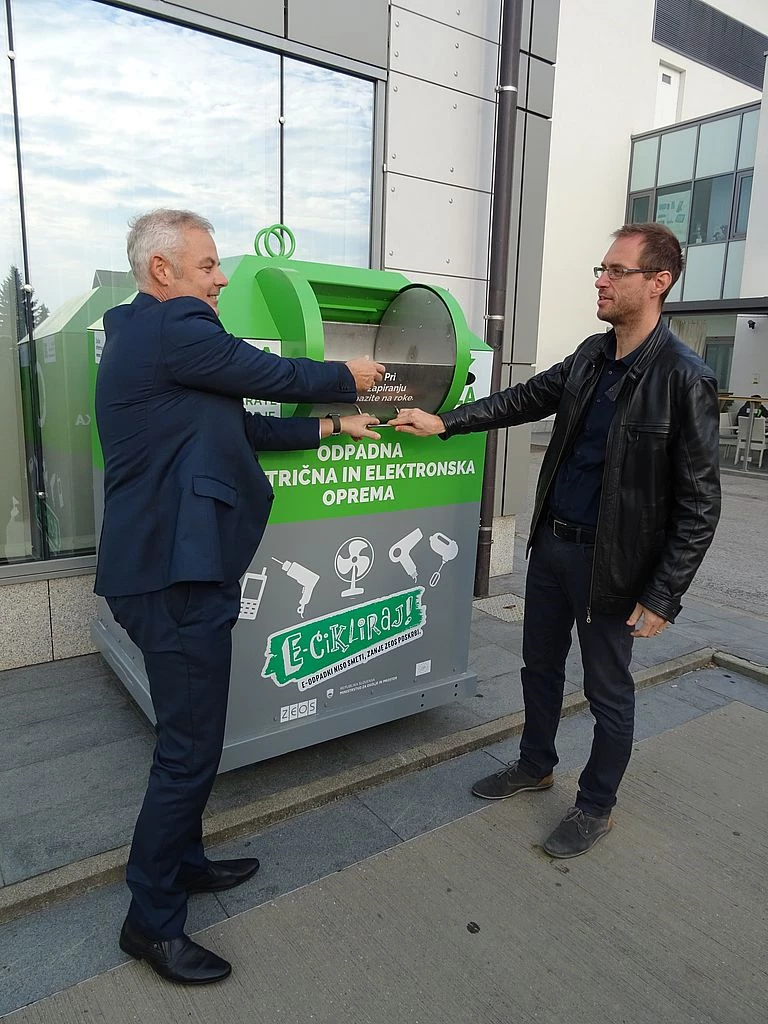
x: 664, y: 921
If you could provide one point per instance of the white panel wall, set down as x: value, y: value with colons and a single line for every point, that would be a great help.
x: 749, y: 369
x: 439, y: 144
x: 267, y: 15
x: 754, y: 277
x: 605, y: 90
x: 428, y: 146
x: 439, y: 164
x: 435, y: 228
x: 478, y: 17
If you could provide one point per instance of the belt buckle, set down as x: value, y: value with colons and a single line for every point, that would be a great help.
x: 559, y: 523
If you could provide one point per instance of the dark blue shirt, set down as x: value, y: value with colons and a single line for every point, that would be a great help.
x: 575, y: 495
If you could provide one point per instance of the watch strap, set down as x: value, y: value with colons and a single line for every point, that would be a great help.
x: 336, y: 421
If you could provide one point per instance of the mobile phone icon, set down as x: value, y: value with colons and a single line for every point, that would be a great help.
x: 251, y: 592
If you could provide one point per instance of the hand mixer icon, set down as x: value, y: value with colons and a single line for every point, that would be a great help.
x: 446, y: 548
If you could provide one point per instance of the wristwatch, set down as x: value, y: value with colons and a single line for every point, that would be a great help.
x: 336, y: 421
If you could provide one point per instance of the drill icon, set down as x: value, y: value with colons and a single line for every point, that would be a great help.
x: 304, y: 577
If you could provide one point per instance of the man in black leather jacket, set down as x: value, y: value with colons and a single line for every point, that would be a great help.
x: 626, y: 506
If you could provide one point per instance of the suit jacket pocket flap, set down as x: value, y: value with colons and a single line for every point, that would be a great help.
x: 209, y: 487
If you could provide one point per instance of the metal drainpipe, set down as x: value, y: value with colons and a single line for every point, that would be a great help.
x: 506, y: 120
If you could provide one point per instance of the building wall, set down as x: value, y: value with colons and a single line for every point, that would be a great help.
x: 749, y: 369
x: 441, y: 65
x: 605, y: 90
x: 443, y: 74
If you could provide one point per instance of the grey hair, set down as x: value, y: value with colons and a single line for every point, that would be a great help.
x: 159, y: 233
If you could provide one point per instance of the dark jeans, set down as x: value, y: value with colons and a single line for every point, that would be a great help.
x: 184, y: 633
x: 557, y: 592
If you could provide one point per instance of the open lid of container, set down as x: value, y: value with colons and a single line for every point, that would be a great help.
x: 416, y: 341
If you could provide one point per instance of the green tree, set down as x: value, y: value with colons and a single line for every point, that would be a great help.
x: 13, y: 323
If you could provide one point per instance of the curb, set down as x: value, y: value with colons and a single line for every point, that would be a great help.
x: 740, y: 665
x: 42, y: 891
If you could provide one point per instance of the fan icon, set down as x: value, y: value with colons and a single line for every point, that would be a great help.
x: 353, y: 561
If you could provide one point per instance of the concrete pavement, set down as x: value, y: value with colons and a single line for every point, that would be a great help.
x: 664, y: 921
x: 74, y: 754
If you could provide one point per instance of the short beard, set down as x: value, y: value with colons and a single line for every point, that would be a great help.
x: 608, y: 318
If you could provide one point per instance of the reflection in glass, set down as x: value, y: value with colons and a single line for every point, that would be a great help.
x: 640, y: 211
x: 120, y: 113
x: 733, y: 269
x: 704, y: 272
x: 748, y: 143
x: 673, y: 207
x: 711, y: 215
x: 644, y: 153
x: 717, y: 146
x: 743, y: 200
x: 676, y: 158
x: 328, y: 163
x: 718, y: 356
x: 677, y: 289
x: 15, y: 518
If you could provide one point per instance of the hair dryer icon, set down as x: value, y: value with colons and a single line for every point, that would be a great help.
x: 401, y: 552
x: 304, y: 577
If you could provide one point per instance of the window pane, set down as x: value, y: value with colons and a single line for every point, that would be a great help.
x: 742, y: 204
x: 717, y: 147
x: 748, y: 144
x: 641, y: 209
x: 677, y: 290
x: 121, y: 113
x: 718, y: 358
x: 676, y: 159
x: 733, y: 268
x: 15, y: 518
x: 673, y: 207
x: 711, y: 215
x: 644, y: 154
x: 328, y: 163
x: 704, y: 272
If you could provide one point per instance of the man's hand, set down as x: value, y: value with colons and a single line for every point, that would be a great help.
x: 366, y: 373
x: 417, y: 422
x: 647, y: 623
x: 357, y: 426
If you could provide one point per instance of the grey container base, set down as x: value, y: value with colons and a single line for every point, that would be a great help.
x: 124, y: 660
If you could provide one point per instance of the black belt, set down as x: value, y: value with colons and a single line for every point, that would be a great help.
x: 575, y: 534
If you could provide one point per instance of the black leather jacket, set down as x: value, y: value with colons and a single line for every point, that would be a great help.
x: 660, y: 499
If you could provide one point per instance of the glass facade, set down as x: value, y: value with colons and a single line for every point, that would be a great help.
x: 15, y: 490
x: 118, y: 113
x: 701, y: 188
x: 712, y: 338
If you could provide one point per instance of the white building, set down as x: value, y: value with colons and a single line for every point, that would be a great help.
x: 615, y: 80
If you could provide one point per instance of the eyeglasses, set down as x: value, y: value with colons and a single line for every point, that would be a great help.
x: 616, y: 273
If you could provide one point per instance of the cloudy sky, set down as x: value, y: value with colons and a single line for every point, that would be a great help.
x: 120, y: 113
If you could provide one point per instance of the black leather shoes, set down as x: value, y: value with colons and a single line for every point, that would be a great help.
x: 221, y: 874
x: 180, y: 960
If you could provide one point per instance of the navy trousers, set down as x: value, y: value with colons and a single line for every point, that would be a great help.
x: 556, y: 594
x: 184, y: 633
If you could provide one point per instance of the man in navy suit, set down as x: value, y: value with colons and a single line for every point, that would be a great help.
x: 185, y: 507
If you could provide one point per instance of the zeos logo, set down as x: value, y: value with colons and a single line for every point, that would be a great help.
x: 303, y: 709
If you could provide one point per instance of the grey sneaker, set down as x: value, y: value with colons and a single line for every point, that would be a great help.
x: 508, y: 782
x: 577, y: 833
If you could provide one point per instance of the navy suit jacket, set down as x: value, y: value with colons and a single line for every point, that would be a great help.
x: 184, y: 495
